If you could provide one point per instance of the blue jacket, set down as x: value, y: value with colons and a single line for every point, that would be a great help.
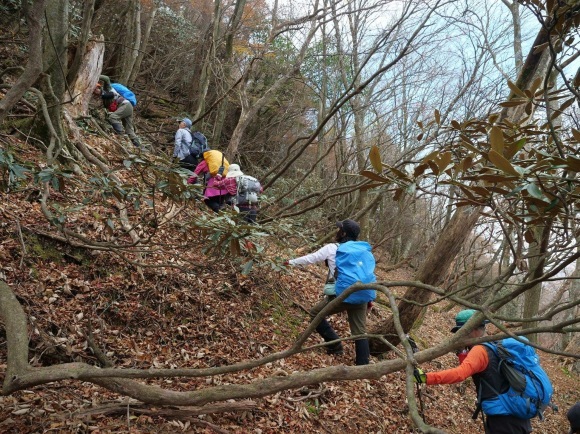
x: 355, y: 263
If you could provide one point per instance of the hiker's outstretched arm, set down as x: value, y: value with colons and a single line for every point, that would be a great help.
x: 475, y: 362
x: 201, y: 168
x: 326, y: 252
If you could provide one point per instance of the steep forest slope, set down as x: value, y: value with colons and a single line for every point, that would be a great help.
x: 126, y: 306
x: 82, y: 302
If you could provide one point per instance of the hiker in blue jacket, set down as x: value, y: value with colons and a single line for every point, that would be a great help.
x: 340, y: 265
x: 182, y: 150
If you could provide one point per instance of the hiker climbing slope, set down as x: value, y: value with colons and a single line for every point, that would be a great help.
x: 183, y: 140
x: 506, y: 410
x: 214, y: 166
x: 350, y: 261
x: 189, y: 146
x: 243, y: 190
x: 119, y: 107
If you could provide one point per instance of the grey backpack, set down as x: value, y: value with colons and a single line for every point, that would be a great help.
x: 248, y: 190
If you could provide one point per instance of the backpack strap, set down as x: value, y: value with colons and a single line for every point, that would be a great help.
x: 191, y: 137
x: 478, y: 408
x: 237, y: 188
x: 335, y: 267
x: 329, y: 277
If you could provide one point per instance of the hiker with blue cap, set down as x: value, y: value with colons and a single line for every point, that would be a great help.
x: 183, y: 141
x: 483, y: 365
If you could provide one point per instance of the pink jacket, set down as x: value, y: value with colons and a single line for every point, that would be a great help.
x: 229, y: 184
x: 211, y: 189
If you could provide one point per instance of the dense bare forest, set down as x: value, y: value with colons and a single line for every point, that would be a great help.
x: 449, y: 129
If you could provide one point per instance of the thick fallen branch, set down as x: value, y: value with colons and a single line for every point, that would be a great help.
x: 20, y: 375
x: 180, y: 413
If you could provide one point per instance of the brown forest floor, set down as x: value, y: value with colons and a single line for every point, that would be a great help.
x: 213, y: 318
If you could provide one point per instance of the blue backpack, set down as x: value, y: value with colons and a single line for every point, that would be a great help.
x: 125, y: 93
x: 530, y: 390
x: 355, y: 263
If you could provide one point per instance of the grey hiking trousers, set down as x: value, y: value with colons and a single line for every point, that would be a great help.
x: 357, y: 314
x: 124, y: 116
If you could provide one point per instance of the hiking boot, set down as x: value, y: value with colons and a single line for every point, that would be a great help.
x: 335, y: 349
x: 325, y: 330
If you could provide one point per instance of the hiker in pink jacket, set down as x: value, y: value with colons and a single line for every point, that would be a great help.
x: 215, y: 196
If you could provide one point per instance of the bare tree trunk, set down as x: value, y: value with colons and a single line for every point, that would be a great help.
x: 130, y: 51
x: 55, y: 65
x: 88, y: 74
x: 231, y: 31
x: 536, y: 261
x: 209, y: 48
x: 322, y: 99
x: 143, y: 45
x: 572, y: 285
x: 514, y: 8
x: 88, y: 12
x: 538, y: 249
x: 573, y: 346
x: 34, y: 18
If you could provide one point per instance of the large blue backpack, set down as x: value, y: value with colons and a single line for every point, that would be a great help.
x: 355, y: 263
x: 530, y: 390
x: 125, y: 93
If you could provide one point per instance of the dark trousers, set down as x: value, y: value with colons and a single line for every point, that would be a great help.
x: 357, y: 314
x: 214, y: 202
x: 507, y: 425
x: 357, y: 320
x: 250, y: 214
x: 189, y: 162
x: 217, y: 202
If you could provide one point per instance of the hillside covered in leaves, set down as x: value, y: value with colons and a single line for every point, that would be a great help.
x: 448, y: 130
x: 87, y: 306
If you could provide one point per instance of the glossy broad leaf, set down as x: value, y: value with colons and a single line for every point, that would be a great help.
x: 375, y: 157
x: 501, y: 163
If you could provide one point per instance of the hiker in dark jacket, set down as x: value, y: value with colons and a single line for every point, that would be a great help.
x: 482, y: 365
x: 119, y: 109
x: 348, y: 230
x: 182, y: 149
x: 573, y: 416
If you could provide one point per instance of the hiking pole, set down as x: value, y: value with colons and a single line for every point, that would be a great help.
x: 418, y: 386
x: 420, y: 397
